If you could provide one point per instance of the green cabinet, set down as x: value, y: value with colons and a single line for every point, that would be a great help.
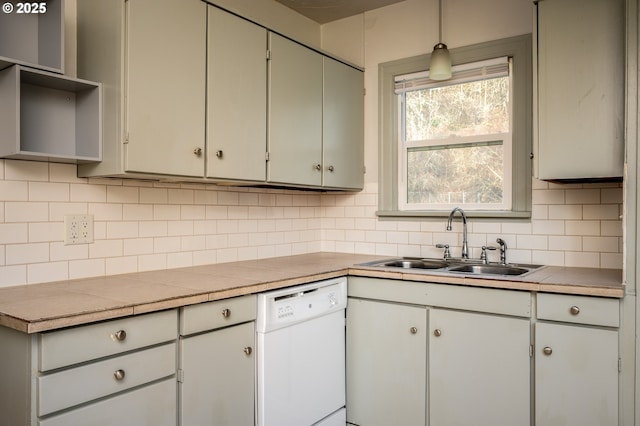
x: 150, y: 56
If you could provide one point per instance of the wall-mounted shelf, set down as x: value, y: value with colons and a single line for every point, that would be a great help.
x: 49, y: 117
x: 32, y: 34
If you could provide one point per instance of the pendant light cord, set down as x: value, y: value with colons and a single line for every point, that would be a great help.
x: 439, y: 21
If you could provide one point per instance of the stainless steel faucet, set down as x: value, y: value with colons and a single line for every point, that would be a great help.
x: 503, y: 251
x: 465, y: 248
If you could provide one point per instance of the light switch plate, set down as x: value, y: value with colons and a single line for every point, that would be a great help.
x: 78, y: 229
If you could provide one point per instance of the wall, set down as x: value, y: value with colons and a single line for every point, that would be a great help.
x: 572, y: 225
x: 144, y: 225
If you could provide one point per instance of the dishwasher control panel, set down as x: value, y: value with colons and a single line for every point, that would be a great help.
x: 286, y: 306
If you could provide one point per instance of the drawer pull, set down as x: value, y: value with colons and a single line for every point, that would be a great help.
x: 119, y: 374
x: 226, y: 313
x: 248, y: 350
x: 120, y: 335
x: 574, y: 310
x: 437, y: 332
x: 547, y: 350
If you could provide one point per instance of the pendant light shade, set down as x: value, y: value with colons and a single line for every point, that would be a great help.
x: 440, y: 66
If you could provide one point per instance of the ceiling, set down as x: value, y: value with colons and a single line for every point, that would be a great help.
x: 323, y: 11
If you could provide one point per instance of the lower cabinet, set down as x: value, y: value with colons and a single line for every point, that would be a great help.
x: 217, y: 363
x: 386, y: 368
x: 576, y: 363
x: 480, y: 362
x: 103, y: 374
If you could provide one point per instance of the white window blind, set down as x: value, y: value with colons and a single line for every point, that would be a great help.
x: 491, y: 68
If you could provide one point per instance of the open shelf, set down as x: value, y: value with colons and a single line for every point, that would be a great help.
x: 49, y: 117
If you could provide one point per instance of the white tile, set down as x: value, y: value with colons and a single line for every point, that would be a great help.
x: 600, y: 244
x: 248, y: 199
x: 550, y: 258
x: 57, y: 211
x: 602, y: 212
x: 108, y: 212
x: 26, y: 253
x: 122, y: 229
x: 204, y: 257
x: 179, y: 260
x: 532, y: 242
x: 611, y: 260
x: 153, y: 195
x: 122, y: 194
x: 88, y: 193
x: 106, y: 248
x: 60, y: 172
x: 166, y: 212
x: 238, y: 240
x: 26, y: 212
x: 153, y: 229
x: 43, y: 232
x: 181, y: 196
x: 565, y: 243
x: 548, y: 227
x: 191, y: 212
x: 137, y: 212
x: 217, y: 241
x: 13, y: 233
x: 585, y: 227
x: 13, y: 275
x: 217, y: 212
x: 26, y: 170
x: 11, y: 190
x: 547, y: 196
x: 166, y: 244
x: 205, y: 197
x: 517, y: 227
x: 583, y: 196
x: 47, y: 272
x: 121, y: 265
x: 152, y: 262
x: 611, y: 195
x: 612, y: 228
x: 60, y: 251
x: 582, y: 259
x: 386, y: 249
x: 179, y: 227
x: 565, y: 211
x: 137, y: 246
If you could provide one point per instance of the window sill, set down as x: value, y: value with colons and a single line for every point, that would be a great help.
x: 408, y: 214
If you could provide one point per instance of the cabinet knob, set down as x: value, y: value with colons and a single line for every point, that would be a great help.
x: 330, y: 168
x: 413, y: 330
x: 248, y: 350
x: 120, y: 335
x: 547, y: 350
x: 437, y: 332
x: 197, y: 152
x: 318, y: 167
x: 226, y: 313
x: 119, y: 374
x: 219, y: 153
x: 574, y: 310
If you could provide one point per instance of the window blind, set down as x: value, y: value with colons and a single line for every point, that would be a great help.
x: 492, y: 68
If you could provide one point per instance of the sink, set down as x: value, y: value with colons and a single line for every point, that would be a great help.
x: 490, y: 269
x: 411, y: 263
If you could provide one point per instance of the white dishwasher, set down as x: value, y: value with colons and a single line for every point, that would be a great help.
x: 301, y: 355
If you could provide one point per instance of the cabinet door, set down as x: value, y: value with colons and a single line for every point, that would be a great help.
x: 343, y: 126
x: 576, y: 376
x: 386, y: 363
x: 218, y: 377
x: 479, y: 369
x: 165, y: 86
x: 580, y: 88
x: 295, y: 113
x: 236, y: 97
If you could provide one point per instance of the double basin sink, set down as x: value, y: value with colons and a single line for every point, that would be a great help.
x: 457, y: 266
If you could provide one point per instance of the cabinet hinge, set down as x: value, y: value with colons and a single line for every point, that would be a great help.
x: 619, y: 365
x: 364, y: 91
x: 266, y: 156
x: 268, y: 55
x: 126, y: 138
x: 180, y: 375
x: 530, y: 351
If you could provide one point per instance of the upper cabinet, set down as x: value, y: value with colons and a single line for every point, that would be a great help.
x: 580, y: 89
x: 150, y: 56
x: 193, y: 92
x: 295, y: 113
x: 343, y: 126
x: 236, y: 97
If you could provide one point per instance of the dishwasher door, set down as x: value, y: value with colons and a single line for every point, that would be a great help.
x: 301, y: 366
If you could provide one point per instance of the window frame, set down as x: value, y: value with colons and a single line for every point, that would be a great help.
x: 519, y: 48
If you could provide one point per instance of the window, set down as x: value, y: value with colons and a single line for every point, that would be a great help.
x: 462, y: 142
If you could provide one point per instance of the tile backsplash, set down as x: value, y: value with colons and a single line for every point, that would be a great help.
x: 141, y: 225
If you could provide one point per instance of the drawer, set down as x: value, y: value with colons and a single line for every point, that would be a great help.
x: 74, y: 386
x: 221, y: 313
x: 579, y: 309
x: 70, y: 346
x: 150, y: 405
x: 489, y: 300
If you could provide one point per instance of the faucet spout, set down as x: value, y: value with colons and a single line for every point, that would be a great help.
x: 465, y: 248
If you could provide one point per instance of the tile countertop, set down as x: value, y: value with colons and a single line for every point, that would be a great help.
x: 41, y: 307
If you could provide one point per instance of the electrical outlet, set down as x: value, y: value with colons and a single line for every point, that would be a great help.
x: 78, y: 229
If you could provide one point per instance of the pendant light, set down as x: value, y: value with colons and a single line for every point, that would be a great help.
x: 440, y: 66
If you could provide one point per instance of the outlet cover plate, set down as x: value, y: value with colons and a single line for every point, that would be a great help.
x: 78, y: 229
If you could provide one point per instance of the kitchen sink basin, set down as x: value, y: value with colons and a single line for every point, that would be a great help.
x: 454, y: 265
x: 490, y: 269
x: 421, y: 264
